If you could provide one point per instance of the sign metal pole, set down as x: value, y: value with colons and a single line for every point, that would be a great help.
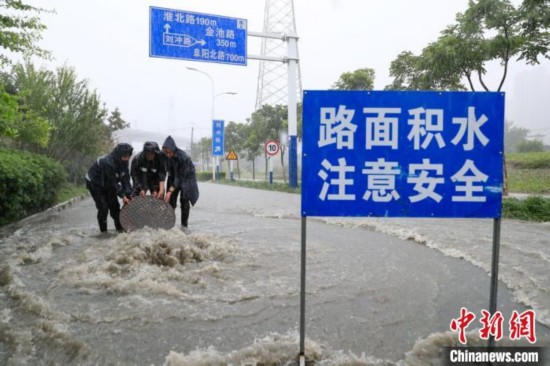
x: 494, y: 274
x: 303, y: 294
x: 270, y: 171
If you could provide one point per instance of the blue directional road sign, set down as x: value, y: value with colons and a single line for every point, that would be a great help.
x: 402, y: 154
x: 217, y: 137
x: 193, y: 36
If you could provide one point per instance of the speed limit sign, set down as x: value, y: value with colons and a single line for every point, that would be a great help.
x: 271, y: 147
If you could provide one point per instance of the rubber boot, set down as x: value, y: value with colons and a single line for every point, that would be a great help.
x: 118, y: 226
x: 102, y: 225
x: 185, y: 214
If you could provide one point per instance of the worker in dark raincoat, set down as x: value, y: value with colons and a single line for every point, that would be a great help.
x: 148, y: 171
x: 181, y: 179
x: 107, y: 179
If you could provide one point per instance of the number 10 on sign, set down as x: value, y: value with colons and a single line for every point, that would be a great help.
x: 272, y: 147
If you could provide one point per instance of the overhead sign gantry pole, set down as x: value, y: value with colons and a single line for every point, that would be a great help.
x: 292, y: 60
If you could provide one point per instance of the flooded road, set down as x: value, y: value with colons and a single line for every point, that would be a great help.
x: 379, y: 291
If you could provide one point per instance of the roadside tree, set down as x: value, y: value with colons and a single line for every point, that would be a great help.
x: 235, y: 135
x: 360, y: 79
x: 488, y: 31
x: 74, y: 112
x: 20, y: 30
x: 267, y: 123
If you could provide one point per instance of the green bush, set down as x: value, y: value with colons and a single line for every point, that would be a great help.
x: 528, y: 146
x: 533, y: 208
x: 206, y: 176
x: 532, y: 160
x: 29, y: 183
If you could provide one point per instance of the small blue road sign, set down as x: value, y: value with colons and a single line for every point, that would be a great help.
x: 217, y: 137
x: 193, y: 36
x: 402, y: 154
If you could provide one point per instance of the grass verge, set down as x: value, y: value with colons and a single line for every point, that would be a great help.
x: 533, y: 160
x: 532, y: 181
x: 70, y: 191
x: 276, y: 186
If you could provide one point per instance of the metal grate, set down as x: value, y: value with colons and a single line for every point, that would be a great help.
x: 147, y: 211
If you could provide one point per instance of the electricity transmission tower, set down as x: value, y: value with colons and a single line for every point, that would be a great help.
x: 272, y: 77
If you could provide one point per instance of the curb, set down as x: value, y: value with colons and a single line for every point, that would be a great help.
x: 63, y: 205
x: 8, y: 229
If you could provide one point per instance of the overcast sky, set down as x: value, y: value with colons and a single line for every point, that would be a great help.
x: 107, y: 42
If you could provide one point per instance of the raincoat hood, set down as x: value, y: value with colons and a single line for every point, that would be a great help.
x: 169, y: 143
x: 122, y: 149
x: 151, y: 147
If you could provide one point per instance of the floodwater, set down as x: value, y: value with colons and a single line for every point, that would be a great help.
x: 226, y: 291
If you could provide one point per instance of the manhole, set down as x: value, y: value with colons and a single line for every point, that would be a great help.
x: 147, y: 211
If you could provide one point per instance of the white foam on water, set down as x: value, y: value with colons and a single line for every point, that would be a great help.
x: 277, y: 349
x: 281, y: 214
x: 5, y: 316
x: 56, y: 336
x: 148, y: 261
x: 20, y: 342
x: 53, y: 337
x: 31, y: 302
x: 273, y: 349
